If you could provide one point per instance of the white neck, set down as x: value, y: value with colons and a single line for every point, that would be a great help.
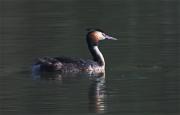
x: 98, y: 55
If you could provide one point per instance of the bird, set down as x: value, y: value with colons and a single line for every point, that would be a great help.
x: 74, y: 65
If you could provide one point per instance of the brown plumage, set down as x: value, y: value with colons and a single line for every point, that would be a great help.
x: 69, y: 64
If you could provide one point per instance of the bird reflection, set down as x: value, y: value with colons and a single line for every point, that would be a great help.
x: 97, y: 94
x: 97, y: 89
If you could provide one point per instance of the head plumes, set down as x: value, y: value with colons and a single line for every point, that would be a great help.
x: 95, y: 35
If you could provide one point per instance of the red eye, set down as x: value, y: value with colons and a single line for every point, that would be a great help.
x: 104, y: 34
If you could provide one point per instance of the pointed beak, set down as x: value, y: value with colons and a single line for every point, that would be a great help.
x: 110, y: 38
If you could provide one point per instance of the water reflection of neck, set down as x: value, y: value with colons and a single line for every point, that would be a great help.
x: 97, y: 95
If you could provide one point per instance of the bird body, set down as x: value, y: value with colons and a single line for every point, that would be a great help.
x: 75, y: 65
x: 69, y: 64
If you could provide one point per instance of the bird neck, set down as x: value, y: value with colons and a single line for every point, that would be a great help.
x: 97, y: 55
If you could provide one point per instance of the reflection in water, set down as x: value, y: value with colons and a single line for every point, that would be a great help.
x: 96, y: 92
x: 97, y: 95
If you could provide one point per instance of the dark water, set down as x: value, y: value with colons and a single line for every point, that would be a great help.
x: 143, y: 66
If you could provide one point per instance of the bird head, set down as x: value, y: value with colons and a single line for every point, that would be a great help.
x: 96, y: 35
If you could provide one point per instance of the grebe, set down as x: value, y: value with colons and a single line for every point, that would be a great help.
x: 68, y: 64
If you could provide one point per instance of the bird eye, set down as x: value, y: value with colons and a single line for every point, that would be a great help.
x: 104, y: 34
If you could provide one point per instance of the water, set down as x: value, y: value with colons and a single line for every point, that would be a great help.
x: 142, y: 67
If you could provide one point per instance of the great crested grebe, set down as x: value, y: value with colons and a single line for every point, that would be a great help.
x: 68, y: 64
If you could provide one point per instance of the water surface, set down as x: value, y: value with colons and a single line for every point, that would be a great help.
x: 142, y: 67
